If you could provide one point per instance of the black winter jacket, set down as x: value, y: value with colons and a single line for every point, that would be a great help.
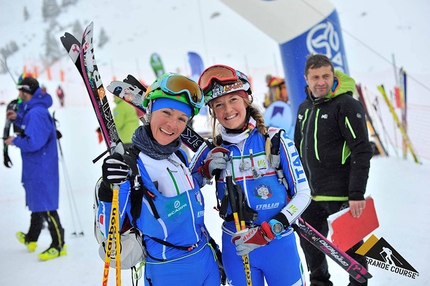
x: 332, y: 138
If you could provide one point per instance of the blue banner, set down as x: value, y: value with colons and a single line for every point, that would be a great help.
x: 324, y: 38
x: 197, y: 67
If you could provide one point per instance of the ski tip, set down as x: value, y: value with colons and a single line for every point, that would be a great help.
x: 362, y: 277
x: 134, y: 81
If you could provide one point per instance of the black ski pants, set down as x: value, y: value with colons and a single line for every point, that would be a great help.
x: 54, y: 227
x: 316, y: 215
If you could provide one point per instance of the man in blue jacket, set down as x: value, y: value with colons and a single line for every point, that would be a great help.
x: 40, y: 174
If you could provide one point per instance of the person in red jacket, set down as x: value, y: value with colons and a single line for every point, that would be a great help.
x: 60, y: 94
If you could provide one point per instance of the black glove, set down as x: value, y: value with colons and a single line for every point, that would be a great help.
x: 105, y: 192
x: 115, y: 169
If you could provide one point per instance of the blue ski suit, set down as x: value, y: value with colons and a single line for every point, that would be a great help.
x: 180, y: 205
x: 38, y: 144
x: 268, y: 197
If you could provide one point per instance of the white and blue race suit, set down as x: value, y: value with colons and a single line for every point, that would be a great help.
x: 177, y: 242
x: 278, y: 262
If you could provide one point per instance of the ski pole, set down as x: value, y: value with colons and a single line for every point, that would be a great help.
x: 117, y: 237
x: 240, y: 225
x: 113, y: 234
x: 114, y: 231
x: 72, y: 202
x: 4, y: 61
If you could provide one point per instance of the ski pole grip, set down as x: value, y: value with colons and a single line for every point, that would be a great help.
x: 231, y: 195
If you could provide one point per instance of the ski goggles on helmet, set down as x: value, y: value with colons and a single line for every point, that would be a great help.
x: 178, y: 87
x: 218, y: 80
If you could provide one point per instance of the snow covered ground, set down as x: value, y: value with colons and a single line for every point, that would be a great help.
x: 400, y: 190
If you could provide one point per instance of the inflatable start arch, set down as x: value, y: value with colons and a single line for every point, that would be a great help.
x: 300, y: 28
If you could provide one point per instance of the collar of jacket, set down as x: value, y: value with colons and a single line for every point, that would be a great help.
x: 342, y: 84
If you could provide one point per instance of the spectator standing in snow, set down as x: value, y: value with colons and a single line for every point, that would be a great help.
x: 40, y: 174
x: 332, y: 138
x: 277, y: 90
x: 244, y: 152
x: 60, y: 94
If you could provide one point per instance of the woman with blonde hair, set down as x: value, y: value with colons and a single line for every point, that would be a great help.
x: 260, y: 160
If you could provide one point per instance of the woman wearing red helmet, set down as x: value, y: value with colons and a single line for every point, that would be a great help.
x: 270, y: 186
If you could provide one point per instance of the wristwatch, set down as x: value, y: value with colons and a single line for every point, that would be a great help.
x: 276, y: 228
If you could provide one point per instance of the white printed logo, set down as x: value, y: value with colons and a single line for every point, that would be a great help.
x: 324, y: 39
x: 177, y: 204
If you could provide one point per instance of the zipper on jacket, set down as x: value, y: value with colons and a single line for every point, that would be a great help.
x: 305, y: 129
x: 317, y: 156
x: 173, y: 179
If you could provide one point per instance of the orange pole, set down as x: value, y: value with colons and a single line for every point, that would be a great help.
x: 48, y: 72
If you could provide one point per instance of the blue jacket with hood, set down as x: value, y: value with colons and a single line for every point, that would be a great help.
x: 38, y: 144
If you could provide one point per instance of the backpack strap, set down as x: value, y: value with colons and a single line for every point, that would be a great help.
x: 181, y: 156
x: 138, y: 188
x: 275, y: 159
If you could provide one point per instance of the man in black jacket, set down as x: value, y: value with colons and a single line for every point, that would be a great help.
x: 332, y: 138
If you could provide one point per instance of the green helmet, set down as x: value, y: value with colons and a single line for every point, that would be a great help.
x: 177, y: 87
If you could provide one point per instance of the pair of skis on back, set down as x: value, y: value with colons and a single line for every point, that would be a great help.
x: 82, y: 55
x: 132, y: 91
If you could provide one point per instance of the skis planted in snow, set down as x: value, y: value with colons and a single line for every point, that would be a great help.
x: 373, y: 133
x: 399, y: 124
